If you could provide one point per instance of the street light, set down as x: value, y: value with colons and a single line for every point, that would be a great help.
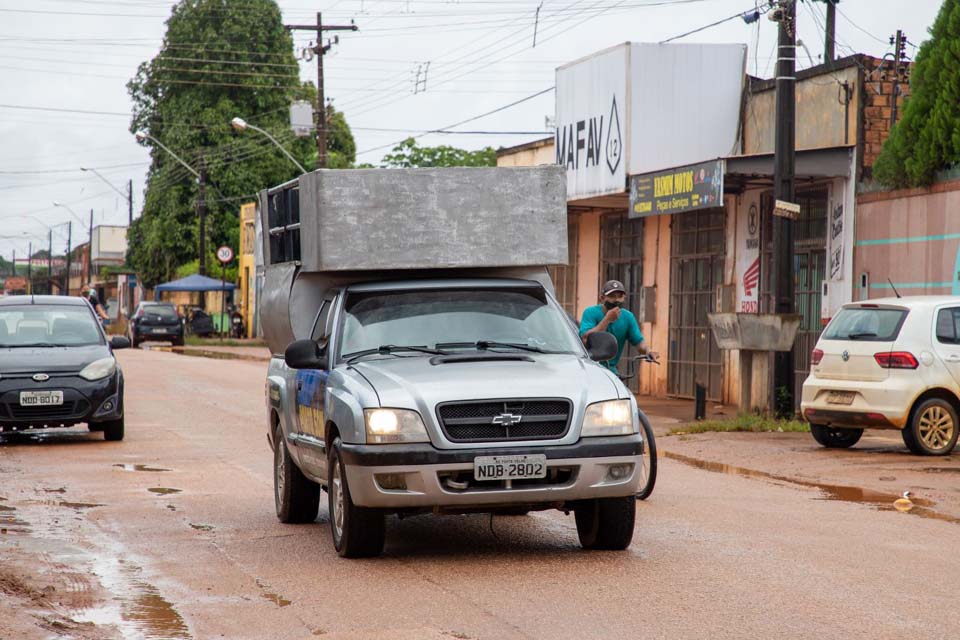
x: 143, y: 135
x: 74, y: 213
x: 128, y: 195
x: 240, y: 125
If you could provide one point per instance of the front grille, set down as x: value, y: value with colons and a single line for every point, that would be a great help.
x: 542, y: 419
x: 68, y: 409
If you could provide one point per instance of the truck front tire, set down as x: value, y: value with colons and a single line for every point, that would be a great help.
x: 358, y: 532
x: 606, y: 523
x: 297, y: 497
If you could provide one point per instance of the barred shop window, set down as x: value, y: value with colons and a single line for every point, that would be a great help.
x: 283, y: 218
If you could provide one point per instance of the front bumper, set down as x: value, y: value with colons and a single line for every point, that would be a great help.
x: 881, y: 404
x: 417, y: 475
x: 83, y: 401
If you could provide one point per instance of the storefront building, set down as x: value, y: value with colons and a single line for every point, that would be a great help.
x: 670, y: 191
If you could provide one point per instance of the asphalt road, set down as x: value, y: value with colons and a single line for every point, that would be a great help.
x: 171, y: 534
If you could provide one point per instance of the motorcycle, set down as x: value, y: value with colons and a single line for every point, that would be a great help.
x: 237, y: 329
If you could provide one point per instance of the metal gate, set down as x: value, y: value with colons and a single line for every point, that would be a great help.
x: 696, y: 268
x: 809, y: 269
x: 621, y: 242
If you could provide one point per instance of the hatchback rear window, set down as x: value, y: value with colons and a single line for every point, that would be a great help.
x: 869, y: 324
x: 167, y: 312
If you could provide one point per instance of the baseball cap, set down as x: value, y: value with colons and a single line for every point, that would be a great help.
x: 611, y: 286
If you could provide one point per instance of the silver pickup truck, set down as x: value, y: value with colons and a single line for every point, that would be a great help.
x: 426, y: 366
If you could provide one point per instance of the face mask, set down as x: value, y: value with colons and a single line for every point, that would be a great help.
x: 611, y: 305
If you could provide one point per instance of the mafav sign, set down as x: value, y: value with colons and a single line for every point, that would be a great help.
x: 591, y: 118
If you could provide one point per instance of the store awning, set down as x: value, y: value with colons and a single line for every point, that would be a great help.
x: 744, y: 172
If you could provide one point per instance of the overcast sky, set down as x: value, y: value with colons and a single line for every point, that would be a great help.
x: 53, y: 56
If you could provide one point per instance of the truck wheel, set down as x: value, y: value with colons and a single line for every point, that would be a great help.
x: 835, y: 438
x: 297, y: 498
x: 606, y: 523
x: 933, y: 428
x: 112, y: 430
x: 358, y: 532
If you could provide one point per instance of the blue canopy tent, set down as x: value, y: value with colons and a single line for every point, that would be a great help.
x: 196, y: 282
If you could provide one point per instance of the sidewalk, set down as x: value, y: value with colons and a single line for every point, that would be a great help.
x: 665, y: 413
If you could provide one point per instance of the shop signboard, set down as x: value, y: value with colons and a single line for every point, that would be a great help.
x: 695, y: 186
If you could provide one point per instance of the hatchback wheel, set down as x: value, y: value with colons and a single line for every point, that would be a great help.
x: 933, y: 428
x: 835, y: 438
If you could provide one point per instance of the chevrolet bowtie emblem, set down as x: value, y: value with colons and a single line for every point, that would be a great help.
x: 507, y: 419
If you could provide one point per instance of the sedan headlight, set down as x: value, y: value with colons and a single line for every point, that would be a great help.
x: 610, y: 418
x: 99, y: 369
x: 394, y: 425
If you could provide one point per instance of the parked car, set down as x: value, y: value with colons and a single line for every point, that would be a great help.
x: 156, y: 321
x: 890, y: 363
x: 57, y: 367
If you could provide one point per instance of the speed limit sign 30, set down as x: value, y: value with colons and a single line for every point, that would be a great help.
x: 224, y: 254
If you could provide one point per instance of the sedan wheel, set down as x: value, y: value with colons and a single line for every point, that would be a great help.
x: 933, y: 429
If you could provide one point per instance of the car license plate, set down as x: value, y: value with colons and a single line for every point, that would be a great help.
x: 160, y: 330
x: 41, y: 398
x: 509, y: 467
x: 841, y: 397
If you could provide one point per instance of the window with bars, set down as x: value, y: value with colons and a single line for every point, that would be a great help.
x: 564, y: 276
x: 283, y: 219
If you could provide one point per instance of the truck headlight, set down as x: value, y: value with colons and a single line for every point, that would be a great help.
x: 610, y: 418
x: 394, y: 425
x: 99, y: 369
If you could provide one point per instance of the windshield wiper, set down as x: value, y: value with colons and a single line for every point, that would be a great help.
x: 484, y: 345
x: 386, y: 349
x: 862, y: 334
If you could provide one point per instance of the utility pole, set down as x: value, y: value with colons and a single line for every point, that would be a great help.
x: 784, y: 191
x: 831, y: 31
x: 130, y: 202
x: 90, y: 247
x: 320, y: 49
x: 29, y: 267
x: 49, y: 260
x: 202, y: 212
x: 13, y: 265
x: 899, y: 56
x: 66, y: 279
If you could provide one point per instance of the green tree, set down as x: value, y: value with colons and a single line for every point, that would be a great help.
x: 927, y: 138
x: 409, y: 154
x: 219, y: 59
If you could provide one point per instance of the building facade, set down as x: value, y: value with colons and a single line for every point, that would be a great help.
x: 672, y: 193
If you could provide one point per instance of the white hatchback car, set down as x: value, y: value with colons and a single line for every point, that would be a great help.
x: 891, y: 363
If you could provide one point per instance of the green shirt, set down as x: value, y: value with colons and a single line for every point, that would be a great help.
x: 624, y: 329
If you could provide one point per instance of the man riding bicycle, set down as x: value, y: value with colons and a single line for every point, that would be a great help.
x: 610, y: 316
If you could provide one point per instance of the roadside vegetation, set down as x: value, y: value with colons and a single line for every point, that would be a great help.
x: 745, y: 422
x: 197, y: 341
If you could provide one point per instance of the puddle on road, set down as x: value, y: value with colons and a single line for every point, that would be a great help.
x: 163, y: 491
x: 138, y: 609
x: 216, y: 355
x: 275, y: 598
x: 57, y: 490
x: 202, y: 527
x: 139, y: 467
x: 877, y: 499
x: 941, y: 469
x: 77, y: 506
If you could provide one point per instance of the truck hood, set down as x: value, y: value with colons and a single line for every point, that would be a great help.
x: 413, y: 382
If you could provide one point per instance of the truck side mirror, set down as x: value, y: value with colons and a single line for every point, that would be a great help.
x: 305, y: 354
x: 601, y: 346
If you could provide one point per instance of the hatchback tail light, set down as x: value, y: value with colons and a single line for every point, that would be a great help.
x: 896, y: 360
x: 816, y: 356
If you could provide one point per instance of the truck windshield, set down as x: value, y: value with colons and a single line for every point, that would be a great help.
x: 456, y: 318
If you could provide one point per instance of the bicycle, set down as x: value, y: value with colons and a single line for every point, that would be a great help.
x: 648, y: 478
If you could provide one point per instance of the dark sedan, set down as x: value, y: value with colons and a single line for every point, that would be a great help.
x: 156, y: 321
x: 57, y: 367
